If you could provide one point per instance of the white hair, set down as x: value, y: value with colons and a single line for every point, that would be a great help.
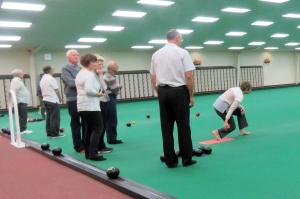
x: 16, y: 72
x: 112, y: 63
x: 99, y: 57
x: 71, y: 51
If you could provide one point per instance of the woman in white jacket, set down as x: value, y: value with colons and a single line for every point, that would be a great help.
x: 88, y: 104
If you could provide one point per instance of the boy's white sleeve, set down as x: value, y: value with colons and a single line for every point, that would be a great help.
x: 232, y: 108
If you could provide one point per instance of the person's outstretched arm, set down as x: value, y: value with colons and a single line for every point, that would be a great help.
x: 232, y: 108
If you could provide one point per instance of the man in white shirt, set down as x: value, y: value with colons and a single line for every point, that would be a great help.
x: 172, y: 77
x: 23, y: 98
x: 228, y: 104
x: 51, y: 99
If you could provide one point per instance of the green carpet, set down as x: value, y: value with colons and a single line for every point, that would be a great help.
x: 264, y: 164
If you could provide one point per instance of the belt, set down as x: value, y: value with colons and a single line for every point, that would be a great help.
x: 167, y: 86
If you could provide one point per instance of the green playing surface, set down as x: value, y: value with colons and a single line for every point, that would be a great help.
x: 264, y: 164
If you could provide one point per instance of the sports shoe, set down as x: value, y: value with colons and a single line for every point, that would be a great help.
x: 26, y: 132
x: 56, y: 136
x: 106, y: 150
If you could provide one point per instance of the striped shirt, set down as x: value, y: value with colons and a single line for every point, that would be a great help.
x: 112, y: 83
x: 105, y: 97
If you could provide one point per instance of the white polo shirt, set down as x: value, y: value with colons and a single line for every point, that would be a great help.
x: 22, y: 93
x: 169, y: 64
x: 224, y: 102
x: 48, y: 86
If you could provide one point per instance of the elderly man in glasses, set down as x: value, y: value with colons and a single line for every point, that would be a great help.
x: 109, y: 107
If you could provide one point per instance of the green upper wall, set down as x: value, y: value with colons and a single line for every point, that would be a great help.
x: 65, y: 21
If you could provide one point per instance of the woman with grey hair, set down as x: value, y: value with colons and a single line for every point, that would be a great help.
x: 105, y: 98
x: 23, y: 98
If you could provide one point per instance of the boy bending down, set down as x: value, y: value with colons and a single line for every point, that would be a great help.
x: 228, y: 104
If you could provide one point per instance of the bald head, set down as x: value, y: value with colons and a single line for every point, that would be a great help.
x: 73, y: 56
x: 112, y: 67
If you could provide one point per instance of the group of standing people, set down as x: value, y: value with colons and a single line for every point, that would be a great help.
x: 88, y: 90
x: 91, y: 100
x: 91, y: 96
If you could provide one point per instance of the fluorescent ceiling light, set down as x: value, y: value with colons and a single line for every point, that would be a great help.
x: 271, y: 48
x: 297, y: 48
x: 292, y: 44
x: 193, y: 47
x: 185, y: 31
x: 141, y: 47
x: 236, y: 34
x: 292, y: 15
x: 256, y: 43
x: 298, y: 27
x: 213, y: 42
x: 22, y: 6
x: 205, y: 19
x: 10, y: 38
x: 156, y: 2
x: 78, y: 46
x: 158, y: 41
x: 92, y: 40
x: 131, y: 14
x: 235, y: 10
x: 275, y: 1
x: 280, y: 35
x: 262, y: 23
x: 5, y: 46
x: 14, y: 24
x: 108, y: 28
x: 236, y: 48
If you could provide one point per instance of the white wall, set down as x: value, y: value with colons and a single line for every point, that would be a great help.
x: 128, y: 60
x: 281, y: 70
x: 10, y: 60
x: 210, y: 58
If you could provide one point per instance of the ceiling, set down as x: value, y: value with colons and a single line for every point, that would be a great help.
x: 65, y: 21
